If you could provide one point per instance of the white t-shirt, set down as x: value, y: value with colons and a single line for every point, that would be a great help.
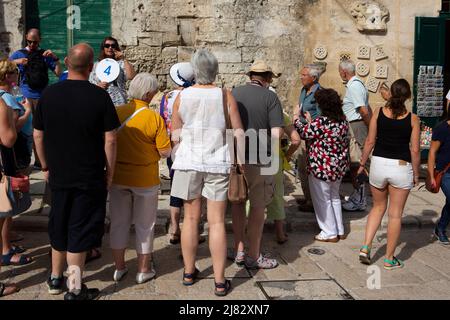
x: 355, y: 97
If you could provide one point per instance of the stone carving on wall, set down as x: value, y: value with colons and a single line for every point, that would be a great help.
x: 381, y: 71
x: 370, y: 16
x: 320, y: 52
x: 362, y: 69
x: 380, y: 54
x: 364, y: 52
x: 372, y: 84
x: 345, y: 55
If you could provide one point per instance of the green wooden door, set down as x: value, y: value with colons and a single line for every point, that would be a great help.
x: 429, y: 50
x: 58, y: 22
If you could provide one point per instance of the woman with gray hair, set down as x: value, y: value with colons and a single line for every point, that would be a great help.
x: 202, y: 164
x: 142, y: 140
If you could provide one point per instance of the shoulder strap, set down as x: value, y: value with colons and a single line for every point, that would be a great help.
x: 24, y: 51
x: 131, y: 117
x: 225, y: 108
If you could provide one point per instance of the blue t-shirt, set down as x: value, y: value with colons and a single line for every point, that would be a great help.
x: 308, y: 103
x: 26, y: 90
x: 442, y: 134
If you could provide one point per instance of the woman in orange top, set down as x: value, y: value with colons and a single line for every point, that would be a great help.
x: 141, y: 141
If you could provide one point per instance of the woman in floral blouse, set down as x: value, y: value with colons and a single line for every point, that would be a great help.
x: 328, y: 150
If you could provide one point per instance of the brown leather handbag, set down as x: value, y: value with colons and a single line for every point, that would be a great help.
x: 237, y: 188
x: 438, y: 178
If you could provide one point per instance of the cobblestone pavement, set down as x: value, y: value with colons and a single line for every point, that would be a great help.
x: 308, y: 270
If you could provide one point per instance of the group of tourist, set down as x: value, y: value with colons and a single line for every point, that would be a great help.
x: 94, y: 138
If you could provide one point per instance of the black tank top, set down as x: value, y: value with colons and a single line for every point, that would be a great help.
x: 393, y: 137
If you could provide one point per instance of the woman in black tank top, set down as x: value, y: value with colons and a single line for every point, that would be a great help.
x: 394, y: 138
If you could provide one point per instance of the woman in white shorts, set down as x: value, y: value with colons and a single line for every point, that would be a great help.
x: 394, y: 138
x: 202, y: 164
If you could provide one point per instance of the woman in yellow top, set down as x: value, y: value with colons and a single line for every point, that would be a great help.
x: 141, y: 141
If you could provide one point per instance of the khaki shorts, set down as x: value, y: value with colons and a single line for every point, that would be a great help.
x: 190, y: 185
x: 260, y: 188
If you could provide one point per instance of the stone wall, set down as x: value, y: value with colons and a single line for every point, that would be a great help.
x: 283, y: 32
x: 11, y: 26
x: 158, y: 33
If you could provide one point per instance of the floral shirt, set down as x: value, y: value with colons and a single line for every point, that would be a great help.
x: 166, y: 108
x: 328, y: 147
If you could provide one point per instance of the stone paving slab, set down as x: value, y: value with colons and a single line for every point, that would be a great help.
x: 302, y: 274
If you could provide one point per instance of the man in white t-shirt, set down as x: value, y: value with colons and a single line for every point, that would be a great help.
x: 356, y: 109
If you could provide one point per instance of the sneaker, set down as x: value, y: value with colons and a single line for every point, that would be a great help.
x: 263, y: 262
x: 353, y: 207
x: 55, y: 285
x: 441, y: 237
x: 84, y: 294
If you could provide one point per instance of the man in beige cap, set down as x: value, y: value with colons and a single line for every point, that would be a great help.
x: 262, y: 116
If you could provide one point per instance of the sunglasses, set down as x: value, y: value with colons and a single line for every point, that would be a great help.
x: 32, y: 42
x: 109, y: 45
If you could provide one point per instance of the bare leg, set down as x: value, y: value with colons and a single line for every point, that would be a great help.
x: 279, y: 230
x: 189, y: 233
x: 6, y: 241
x: 239, y: 222
x: 58, y: 262
x: 119, y: 258
x: 397, y: 202
x: 217, y: 238
x: 144, y: 261
x: 255, y: 230
x: 376, y: 214
x: 174, y: 228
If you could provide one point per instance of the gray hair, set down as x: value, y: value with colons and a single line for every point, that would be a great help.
x: 348, y: 65
x: 205, y: 66
x: 314, y: 70
x: 141, y: 84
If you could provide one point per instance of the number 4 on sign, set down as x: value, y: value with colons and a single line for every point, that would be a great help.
x: 107, y: 70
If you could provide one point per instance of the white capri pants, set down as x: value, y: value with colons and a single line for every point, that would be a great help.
x: 327, y: 205
x: 132, y: 205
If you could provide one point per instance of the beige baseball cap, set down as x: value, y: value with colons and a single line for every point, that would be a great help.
x: 260, y: 66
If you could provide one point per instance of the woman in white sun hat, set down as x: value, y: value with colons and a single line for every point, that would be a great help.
x: 182, y: 74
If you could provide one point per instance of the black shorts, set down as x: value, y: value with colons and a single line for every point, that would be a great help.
x: 77, y: 218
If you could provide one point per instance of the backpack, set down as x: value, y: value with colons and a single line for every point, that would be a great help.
x: 36, y: 70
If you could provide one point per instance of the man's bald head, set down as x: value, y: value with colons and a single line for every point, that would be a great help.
x: 80, y: 58
x: 34, y: 33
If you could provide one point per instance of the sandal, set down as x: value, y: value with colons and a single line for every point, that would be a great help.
x: 226, y: 286
x: 191, y: 277
x: 92, y: 255
x: 23, y: 260
x: 18, y: 249
x: 364, y: 256
x: 393, y: 264
x: 4, y: 287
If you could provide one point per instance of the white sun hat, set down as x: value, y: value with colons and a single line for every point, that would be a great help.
x: 182, y: 74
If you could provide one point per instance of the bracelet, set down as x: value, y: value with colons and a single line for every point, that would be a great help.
x: 44, y: 169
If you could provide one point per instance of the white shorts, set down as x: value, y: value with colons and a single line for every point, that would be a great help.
x: 397, y: 173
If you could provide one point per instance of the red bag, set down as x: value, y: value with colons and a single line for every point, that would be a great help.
x: 20, y: 183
